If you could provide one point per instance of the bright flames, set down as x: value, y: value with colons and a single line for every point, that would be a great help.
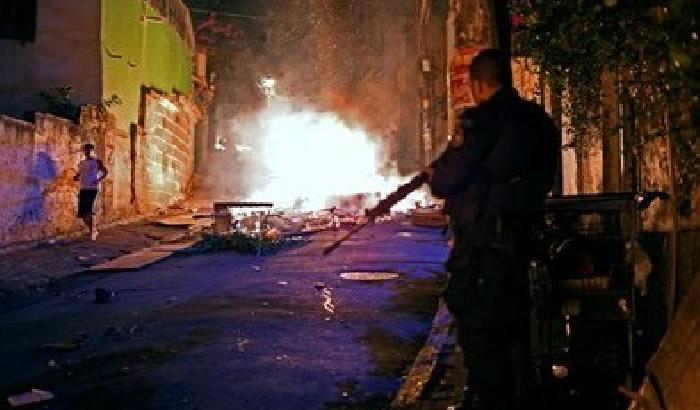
x: 309, y: 158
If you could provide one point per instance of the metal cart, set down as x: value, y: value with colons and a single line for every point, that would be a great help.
x: 582, y: 285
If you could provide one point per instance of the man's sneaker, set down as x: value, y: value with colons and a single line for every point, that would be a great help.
x: 93, y: 235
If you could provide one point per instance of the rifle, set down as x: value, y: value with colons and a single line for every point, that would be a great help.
x: 381, y: 208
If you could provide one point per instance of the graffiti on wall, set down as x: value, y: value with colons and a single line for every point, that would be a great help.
x: 459, y: 77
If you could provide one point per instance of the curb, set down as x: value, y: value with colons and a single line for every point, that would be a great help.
x: 426, y: 360
x: 23, y: 246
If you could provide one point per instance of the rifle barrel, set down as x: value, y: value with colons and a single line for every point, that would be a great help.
x: 383, y: 207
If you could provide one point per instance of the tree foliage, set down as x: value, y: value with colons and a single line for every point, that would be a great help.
x: 651, y: 47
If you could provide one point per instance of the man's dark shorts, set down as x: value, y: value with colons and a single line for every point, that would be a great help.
x: 86, y: 198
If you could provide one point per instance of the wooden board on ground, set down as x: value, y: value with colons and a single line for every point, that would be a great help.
x: 172, y: 247
x: 177, y: 220
x: 132, y: 261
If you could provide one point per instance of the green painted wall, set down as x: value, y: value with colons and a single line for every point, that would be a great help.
x: 138, y: 51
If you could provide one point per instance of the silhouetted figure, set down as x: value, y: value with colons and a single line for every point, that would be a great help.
x: 91, y: 171
x: 495, y: 182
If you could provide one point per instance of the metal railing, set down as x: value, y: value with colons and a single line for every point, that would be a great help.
x: 178, y: 15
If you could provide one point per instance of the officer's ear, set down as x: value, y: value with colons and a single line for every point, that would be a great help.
x: 475, y: 89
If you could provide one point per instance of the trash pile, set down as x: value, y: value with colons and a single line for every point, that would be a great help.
x: 257, y: 228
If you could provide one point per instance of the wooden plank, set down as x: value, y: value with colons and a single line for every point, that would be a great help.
x: 133, y: 261
x: 172, y: 247
x: 178, y: 220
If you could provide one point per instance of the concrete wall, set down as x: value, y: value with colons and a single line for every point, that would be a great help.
x: 66, y: 52
x: 165, y: 151
x: 38, y: 196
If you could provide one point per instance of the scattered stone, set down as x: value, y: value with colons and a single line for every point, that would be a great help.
x: 84, y: 260
x: 241, y: 343
x: 31, y: 397
x: 103, y: 295
x: 283, y: 283
x: 117, y: 333
x: 256, y: 268
x: 319, y: 285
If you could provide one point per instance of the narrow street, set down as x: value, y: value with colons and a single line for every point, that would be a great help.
x: 229, y: 331
x: 172, y: 173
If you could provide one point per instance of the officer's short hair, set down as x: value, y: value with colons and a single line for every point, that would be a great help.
x: 88, y: 147
x: 489, y: 66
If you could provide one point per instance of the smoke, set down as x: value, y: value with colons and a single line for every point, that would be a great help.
x: 349, y: 115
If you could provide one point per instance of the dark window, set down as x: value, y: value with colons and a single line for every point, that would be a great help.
x: 18, y: 19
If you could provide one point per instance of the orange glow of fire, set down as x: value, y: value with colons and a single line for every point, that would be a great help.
x: 311, y: 156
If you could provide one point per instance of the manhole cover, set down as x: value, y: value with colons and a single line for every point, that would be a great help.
x: 369, y: 275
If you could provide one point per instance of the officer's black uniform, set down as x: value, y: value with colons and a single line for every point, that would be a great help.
x: 495, y: 182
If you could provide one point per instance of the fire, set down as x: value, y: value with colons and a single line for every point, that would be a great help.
x: 308, y: 157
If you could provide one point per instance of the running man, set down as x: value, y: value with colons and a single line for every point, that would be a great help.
x: 91, y: 172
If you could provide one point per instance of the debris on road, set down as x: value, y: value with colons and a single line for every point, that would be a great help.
x: 64, y: 346
x: 104, y: 295
x: 118, y: 333
x: 241, y: 242
x: 132, y: 261
x: 369, y: 276
x: 327, y: 300
x: 31, y: 397
x: 241, y: 343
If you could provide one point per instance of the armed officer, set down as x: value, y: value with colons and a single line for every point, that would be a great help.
x: 495, y: 182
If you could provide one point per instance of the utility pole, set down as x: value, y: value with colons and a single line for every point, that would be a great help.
x: 426, y: 131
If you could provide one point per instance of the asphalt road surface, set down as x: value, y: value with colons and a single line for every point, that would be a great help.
x: 229, y: 331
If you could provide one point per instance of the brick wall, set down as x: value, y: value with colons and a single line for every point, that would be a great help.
x: 166, y: 150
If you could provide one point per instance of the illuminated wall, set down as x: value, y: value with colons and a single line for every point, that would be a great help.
x: 165, y: 164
